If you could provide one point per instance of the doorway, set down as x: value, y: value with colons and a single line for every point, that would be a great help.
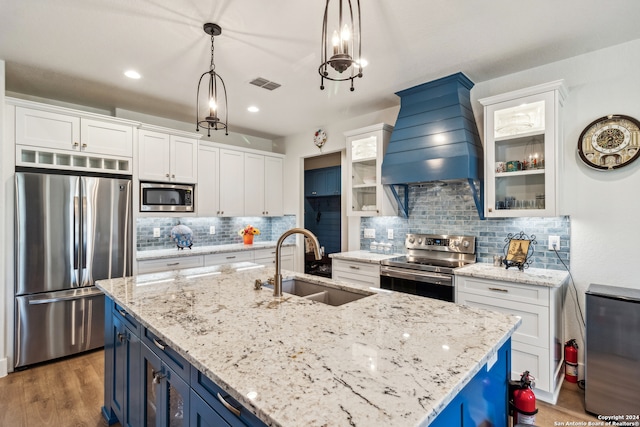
x: 323, y: 208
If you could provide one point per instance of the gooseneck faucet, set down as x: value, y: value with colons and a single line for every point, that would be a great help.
x: 277, y: 287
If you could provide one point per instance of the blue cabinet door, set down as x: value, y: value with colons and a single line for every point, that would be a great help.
x: 122, y: 358
x: 203, y: 415
x: 333, y: 181
x: 165, y: 396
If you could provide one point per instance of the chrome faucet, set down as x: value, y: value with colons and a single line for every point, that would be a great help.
x: 277, y: 287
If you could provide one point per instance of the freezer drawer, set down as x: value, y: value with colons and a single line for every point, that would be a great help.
x: 57, y: 324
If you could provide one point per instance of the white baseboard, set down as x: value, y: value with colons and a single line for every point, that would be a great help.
x: 3, y: 367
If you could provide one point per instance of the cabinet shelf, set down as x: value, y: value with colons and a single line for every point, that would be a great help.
x: 521, y: 130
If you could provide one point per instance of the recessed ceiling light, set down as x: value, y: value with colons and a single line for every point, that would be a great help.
x: 132, y: 74
x: 253, y: 109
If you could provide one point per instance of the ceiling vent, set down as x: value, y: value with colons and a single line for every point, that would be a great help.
x: 264, y: 83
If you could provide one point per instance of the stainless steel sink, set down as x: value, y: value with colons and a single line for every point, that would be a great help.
x: 317, y: 292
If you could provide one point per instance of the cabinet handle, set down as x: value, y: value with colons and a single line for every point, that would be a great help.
x: 170, y: 264
x: 84, y: 145
x: 490, y: 209
x: 499, y: 290
x: 173, y: 175
x: 159, y: 344
x: 157, y: 376
x: 121, y: 337
x: 354, y: 267
x: 122, y: 313
x: 167, y: 175
x: 226, y: 404
x: 231, y: 257
x: 75, y: 144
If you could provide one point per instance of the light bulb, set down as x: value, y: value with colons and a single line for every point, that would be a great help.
x: 212, y: 104
x: 345, y: 35
x: 335, y: 41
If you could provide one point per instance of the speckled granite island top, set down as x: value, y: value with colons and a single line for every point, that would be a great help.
x: 389, y: 359
x: 530, y: 276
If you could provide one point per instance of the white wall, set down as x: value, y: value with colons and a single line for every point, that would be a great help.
x: 604, y: 206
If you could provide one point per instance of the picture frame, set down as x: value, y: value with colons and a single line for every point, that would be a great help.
x: 518, y: 250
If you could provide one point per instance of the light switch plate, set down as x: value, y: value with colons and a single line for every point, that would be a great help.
x: 156, y: 232
x: 390, y: 233
x: 212, y: 229
x: 369, y: 233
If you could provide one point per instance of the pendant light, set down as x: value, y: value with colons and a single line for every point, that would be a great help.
x: 215, y: 91
x: 344, y: 42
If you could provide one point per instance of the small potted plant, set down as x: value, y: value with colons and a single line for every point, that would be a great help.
x: 247, y: 234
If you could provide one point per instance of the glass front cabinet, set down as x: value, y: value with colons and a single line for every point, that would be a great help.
x: 523, y: 151
x: 366, y: 196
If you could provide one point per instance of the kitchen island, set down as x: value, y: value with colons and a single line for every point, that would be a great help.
x: 385, y: 359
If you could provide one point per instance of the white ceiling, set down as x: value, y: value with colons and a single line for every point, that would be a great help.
x: 76, y: 51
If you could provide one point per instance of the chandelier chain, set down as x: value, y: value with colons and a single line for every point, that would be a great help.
x: 213, y: 65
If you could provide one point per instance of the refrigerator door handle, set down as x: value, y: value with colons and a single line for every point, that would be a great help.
x: 47, y: 299
x: 76, y: 233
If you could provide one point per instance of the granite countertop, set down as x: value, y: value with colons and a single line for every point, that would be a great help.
x: 362, y: 256
x: 205, y: 250
x: 387, y: 359
x: 530, y: 276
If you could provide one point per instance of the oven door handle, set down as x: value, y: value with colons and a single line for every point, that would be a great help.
x: 435, y: 278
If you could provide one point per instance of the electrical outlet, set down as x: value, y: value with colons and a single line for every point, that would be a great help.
x: 212, y: 229
x: 554, y: 243
x: 390, y: 233
x: 369, y: 233
x: 156, y: 232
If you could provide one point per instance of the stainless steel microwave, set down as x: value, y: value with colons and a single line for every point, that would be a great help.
x: 165, y: 197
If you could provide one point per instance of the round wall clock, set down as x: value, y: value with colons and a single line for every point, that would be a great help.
x: 319, y: 138
x: 610, y: 142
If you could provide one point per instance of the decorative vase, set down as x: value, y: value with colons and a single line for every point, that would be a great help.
x: 248, y: 239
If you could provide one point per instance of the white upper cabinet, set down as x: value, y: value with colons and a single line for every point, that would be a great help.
x: 67, y: 132
x: 263, y: 194
x: 48, y: 136
x: 273, y: 186
x: 522, y: 151
x: 231, y: 183
x: 208, y: 188
x: 366, y: 196
x: 167, y: 157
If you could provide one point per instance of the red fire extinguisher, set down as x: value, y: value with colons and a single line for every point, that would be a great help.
x: 571, y: 361
x: 523, y: 400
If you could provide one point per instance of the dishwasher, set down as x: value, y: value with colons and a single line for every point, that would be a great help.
x: 612, y: 358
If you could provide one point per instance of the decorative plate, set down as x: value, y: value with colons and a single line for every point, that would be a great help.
x: 319, y: 138
x: 610, y: 142
x: 182, y: 235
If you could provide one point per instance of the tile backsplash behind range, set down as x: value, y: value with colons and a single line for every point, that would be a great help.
x: 441, y: 208
x: 226, y: 230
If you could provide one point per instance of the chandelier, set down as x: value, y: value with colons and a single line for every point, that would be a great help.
x: 215, y: 87
x: 345, y: 44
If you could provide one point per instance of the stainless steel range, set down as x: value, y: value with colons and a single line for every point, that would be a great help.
x: 427, y: 269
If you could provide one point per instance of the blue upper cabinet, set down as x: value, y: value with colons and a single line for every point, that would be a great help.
x: 322, y: 182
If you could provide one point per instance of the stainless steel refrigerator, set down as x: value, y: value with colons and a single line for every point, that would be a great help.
x: 71, y: 230
x: 612, y: 358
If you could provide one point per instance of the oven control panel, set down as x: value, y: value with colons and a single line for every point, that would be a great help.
x: 441, y: 242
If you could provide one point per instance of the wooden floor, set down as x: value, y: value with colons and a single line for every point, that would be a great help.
x: 69, y: 392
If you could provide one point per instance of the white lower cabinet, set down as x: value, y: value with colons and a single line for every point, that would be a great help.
x: 267, y: 257
x: 227, y: 258
x: 537, y: 344
x: 168, y: 264
x: 361, y: 273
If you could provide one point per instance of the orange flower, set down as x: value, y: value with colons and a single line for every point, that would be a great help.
x: 249, y: 229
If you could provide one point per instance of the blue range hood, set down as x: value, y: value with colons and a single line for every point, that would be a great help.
x: 435, y: 138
